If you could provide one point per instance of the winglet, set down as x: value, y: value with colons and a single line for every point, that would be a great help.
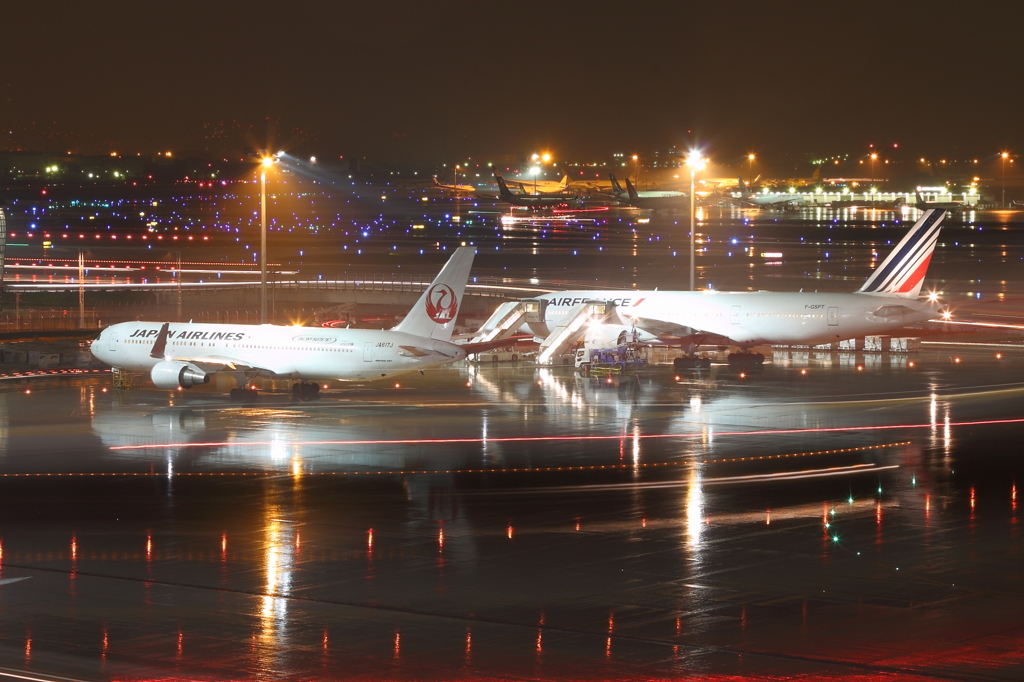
x: 161, y: 342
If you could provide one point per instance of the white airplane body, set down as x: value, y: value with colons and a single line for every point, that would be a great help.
x: 887, y: 301
x: 186, y: 355
x: 767, y: 199
x: 649, y: 199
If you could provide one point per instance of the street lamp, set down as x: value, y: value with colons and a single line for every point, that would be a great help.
x: 535, y: 171
x: 750, y: 170
x: 1004, y: 156
x: 873, y: 157
x: 636, y: 170
x: 696, y: 163
x: 266, y: 163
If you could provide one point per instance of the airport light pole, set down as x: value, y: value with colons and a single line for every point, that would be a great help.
x: 873, y: 157
x: 696, y: 163
x: 750, y: 168
x: 266, y: 163
x: 1003, y: 157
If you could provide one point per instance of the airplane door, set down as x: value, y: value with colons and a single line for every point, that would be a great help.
x: 735, y: 316
x: 113, y: 341
x: 368, y: 351
x: 833, y: 316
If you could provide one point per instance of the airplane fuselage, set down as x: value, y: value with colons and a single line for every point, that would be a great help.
x: 749, y: 318
x: 306, y: 353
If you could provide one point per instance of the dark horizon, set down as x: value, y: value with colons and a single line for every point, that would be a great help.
x: 421, y: 83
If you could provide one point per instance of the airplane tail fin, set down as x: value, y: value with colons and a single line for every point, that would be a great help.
x: 564, y: 183
x: 436, y: 182
x: 632, y: 190
x: 434, y: 314
x: 902, y: 273
x: 616, y: 187
x: 503, y: 190
x: 744, y: 192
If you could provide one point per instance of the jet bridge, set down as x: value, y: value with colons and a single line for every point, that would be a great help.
x: 561, y: 335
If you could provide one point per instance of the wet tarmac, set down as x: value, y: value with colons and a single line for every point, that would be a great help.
x: 833, y: 516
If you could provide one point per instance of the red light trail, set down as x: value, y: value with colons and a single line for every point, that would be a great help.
x: 542, y: 439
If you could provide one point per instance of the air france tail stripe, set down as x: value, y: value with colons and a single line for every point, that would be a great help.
x: 917, y: 276
x: 910, y: 263
x: 920, y: 233
x: 917, y: 243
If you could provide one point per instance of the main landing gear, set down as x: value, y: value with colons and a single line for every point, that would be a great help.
x: 305, y: 391
x: 691, y: 362
x: 746, y: 358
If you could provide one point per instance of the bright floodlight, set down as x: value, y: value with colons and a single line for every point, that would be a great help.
x: 1005, y: 155
x: 696, y: 161
x: 279, y: 154
x: 535, y: 170
x: 751, y: 157
x: 268, y: 161
x: 546, y: 158
x: 312, y: 159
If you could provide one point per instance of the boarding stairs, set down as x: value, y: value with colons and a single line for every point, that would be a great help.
x: 566, y: 333
x: 508, y: 318
x: 562, y: 337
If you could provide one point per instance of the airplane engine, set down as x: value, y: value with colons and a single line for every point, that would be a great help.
x: 613, y: 336
x: 171, y: 375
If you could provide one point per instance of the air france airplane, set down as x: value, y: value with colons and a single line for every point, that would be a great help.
x: 179, y: 356
x: 887, y: 301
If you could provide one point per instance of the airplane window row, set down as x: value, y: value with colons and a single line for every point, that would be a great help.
x: 802, y: 315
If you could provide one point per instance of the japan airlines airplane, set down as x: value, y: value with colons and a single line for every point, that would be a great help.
x: 887, y: 301
x: 179, y: 356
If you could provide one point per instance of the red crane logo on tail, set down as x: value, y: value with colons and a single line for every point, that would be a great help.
x: 442, y: 304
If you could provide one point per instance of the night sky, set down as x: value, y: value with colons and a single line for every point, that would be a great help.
x: 418, y: 81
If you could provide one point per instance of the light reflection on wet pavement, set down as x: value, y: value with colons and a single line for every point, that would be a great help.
x: 310, y: 547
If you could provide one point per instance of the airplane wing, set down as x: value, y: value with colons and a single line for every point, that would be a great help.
x: 669, y: 330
